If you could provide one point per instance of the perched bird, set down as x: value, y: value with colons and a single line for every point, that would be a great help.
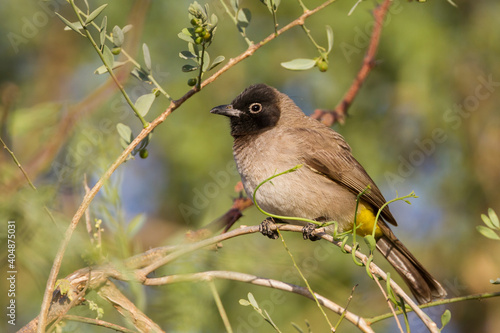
x: 271, y: 134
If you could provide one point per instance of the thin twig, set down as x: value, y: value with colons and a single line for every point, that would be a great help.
x: 88, y: 224
x: 220, y: 306
x: 389, y: 304
x: 235, y: 21
x: 476, y: 297
x: 11, y: 153
x: 305, y: 281
x: 346, y: 306
x: 98, y: 322
x: 328, y: 117
x: 49, y: 213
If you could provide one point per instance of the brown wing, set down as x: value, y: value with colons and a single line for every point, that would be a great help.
x: 327, y: 152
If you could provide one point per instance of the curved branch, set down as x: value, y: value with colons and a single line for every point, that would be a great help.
x: 264, y: 282
x: 98, y: 322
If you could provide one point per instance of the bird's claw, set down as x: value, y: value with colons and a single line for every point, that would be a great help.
x: 307, y: 232
x: 265, y: 228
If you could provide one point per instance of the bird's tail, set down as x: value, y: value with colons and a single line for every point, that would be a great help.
x: 423, y: 286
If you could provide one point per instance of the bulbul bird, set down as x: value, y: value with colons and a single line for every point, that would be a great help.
x: 272, y: 134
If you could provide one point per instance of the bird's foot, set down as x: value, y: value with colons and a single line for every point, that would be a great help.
x: 265, y: 228
x: 307, y: 232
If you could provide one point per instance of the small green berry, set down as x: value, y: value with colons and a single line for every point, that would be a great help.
x: 198, y: 40
x: 192, y: 81
x: 144, y: 153
x: 199, y: 30
x: 116, y: 50
x: 322, y: 65
x: 207, y: 35
x: 194, y: 21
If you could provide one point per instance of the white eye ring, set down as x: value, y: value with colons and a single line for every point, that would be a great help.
x: 255, y: 108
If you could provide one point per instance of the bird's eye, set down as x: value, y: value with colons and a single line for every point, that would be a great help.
x: 255, y: 107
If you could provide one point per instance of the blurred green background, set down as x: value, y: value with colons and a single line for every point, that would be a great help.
x: 426, y: 120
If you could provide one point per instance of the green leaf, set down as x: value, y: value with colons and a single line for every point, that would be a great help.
x: 371, y: 242
x: 187, y: 55
x: 127, y: 28
x: 297, y: 327
x: 445, y: 318
x: 103, y: 69
x: 185, y: 37
x: 125, y: 132
x: 118, y: 36
x: 147, y: 56
x: 143, y: 144
x: 77, y: 25
x: 487, y: 232
x: 354, y: 7
x: 71, y: 25
x: 214, y: 20
x: 497, y: 281
x: 193, y: 48
x: 253, y: 301
x: 216, y: 62
x: 189, y: 68
x: 186, y: 34
x: 244, y: 17
x: 452, y: 3
x: 138, y: 73
x: 234, y: 4
x: 102, y: 31
x: 244, y: 302
x: 299, y: 64
x: 144, y: 102
x: 94, y: 14
x: 493, y: 218
x: 136, y: 224
x: 329, y: 37
x: 270, y: 5
x: 487, y: 221
x: 108, y: 56
x: 206, y: 61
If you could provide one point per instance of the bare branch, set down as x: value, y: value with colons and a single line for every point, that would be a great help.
x: 98, y: 322
x: 264, y: 282
x: 389, y: 304
x: 127, y: 309
x: 329, y: 117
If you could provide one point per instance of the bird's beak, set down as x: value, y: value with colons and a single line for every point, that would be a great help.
x: 226, y: 110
